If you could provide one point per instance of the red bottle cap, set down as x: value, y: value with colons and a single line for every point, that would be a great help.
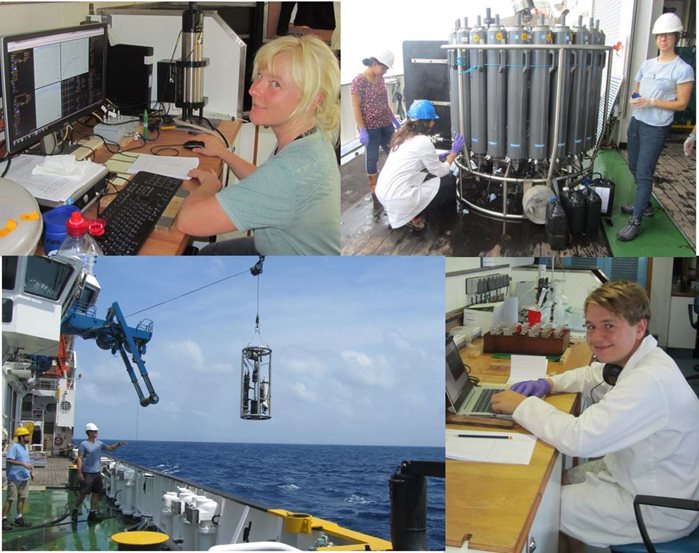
x: 96, y: 227
x: 77, y: 225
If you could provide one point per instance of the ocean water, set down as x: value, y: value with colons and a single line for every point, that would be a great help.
x: 344, y: 484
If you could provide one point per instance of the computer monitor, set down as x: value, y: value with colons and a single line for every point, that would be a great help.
x: 50, y: 78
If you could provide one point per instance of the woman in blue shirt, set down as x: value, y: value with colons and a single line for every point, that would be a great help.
x: 663, y: 86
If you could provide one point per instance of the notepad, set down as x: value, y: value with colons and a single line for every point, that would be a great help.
x: 527, y: 367
x: 169, y: 166
x: 490, y: 447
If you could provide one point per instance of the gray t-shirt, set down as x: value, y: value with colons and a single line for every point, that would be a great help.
x: 659, y: 81
x: 291, y: 201
x: 91, y: 455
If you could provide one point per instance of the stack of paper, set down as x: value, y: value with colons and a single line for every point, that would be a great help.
x: 49, y: 188
x: 490, y: 447
x: 527, y: 367
x: 170, y: 166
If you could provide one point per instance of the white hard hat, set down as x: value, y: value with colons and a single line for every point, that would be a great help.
x: 667, y: 23
x: 91, y: 426
x: 385, y: 57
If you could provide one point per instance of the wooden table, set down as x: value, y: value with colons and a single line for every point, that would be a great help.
x: 495, y: 503
x: 164, y: 242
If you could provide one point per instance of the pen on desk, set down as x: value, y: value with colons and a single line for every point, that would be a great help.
x: 145, y: 124
x: 493, y: 437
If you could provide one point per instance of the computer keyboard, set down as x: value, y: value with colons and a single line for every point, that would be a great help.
x: 483, y: 403
x: 135, y: 210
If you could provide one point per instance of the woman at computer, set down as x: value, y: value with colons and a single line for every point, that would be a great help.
x: 292, y: 200
x: 642, y: 424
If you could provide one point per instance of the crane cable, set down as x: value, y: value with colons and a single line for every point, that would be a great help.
x: 187, y: 293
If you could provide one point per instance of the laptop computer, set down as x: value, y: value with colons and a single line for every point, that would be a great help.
x: 465, y: 398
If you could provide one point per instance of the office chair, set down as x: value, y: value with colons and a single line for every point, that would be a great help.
x: 694, y: 308
x: 688, y: 544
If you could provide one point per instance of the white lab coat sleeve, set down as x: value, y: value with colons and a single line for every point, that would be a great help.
x: 581, y: 380
x: 630, y: 412
x: 430, y: 158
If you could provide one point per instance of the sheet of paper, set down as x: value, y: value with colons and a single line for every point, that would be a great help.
x: 170, y: 166
x: 527, y: 367
x: 54, y: 188
x: 490, y: 447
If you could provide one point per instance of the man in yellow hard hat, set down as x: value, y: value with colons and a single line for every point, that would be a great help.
x: 19, y: 471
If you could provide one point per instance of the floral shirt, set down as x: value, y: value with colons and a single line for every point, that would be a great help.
x: 374, y: 101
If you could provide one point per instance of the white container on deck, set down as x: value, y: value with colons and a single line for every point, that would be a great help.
x: 129, y: 493
x: 169, y: 501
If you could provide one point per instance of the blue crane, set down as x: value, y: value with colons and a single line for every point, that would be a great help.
x: 113, y: 333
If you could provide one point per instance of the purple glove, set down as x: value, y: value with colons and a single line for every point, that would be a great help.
x: 457, y: 144
x: 538, y: 388
x: 443, y: 157
x: 395, y: 122
x: 363, y: 137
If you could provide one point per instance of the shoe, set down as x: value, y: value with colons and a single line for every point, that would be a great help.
x: 94, y: 517
x: 377, y: 208
x: 74, y: 515
x: 6, y: 526
x: 22, y: 523
x: 630, y: 231
x: 628, y: 210
x: 417, y: 224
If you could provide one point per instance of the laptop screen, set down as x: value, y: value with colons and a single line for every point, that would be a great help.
x: 457, y: 383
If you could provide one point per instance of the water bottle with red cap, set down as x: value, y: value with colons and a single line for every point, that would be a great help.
x: 79, y: 242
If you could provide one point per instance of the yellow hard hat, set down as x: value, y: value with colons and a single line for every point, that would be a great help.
x: 21, y: 431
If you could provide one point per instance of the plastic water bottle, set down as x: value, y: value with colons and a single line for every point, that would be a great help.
x: 79, y: 244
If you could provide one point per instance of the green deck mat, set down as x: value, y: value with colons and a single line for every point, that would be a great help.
x: 660, y: 237
x: 47, y: 506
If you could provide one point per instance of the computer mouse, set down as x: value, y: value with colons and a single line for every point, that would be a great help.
x: 191, y: 144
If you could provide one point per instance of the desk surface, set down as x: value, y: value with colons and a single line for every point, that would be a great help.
x: 494, y: 503
x: 162, y: 242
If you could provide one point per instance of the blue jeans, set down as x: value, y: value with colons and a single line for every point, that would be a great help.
x: 645, y: 142
x: 380, y: 136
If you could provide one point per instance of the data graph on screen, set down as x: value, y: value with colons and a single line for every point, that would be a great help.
x: 49, y: 79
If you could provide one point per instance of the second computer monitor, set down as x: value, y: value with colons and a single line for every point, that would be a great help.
x: 50, y: 78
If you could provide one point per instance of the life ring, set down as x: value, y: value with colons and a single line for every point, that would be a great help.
x: 58, y: 441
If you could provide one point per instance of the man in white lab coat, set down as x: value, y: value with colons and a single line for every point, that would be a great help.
x: 643, y: 422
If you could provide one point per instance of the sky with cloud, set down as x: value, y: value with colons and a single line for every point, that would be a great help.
x: 357, y: 349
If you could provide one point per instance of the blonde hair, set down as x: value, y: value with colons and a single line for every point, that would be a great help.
x: 315, y: 71
x: 622, y: 297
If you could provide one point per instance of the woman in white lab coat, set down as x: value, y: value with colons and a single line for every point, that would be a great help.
x: 410, y: 179
x: 643, y: 422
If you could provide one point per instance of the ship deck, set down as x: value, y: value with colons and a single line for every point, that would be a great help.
x: 671, y: 232
x: 49, y: 500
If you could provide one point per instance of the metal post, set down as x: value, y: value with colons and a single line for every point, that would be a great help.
x: 559, y: 92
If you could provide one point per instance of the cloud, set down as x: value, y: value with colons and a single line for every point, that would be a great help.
x: 300, y: 390
x: 186, y: 355
x: 368, y: 371
x: 304, y: 363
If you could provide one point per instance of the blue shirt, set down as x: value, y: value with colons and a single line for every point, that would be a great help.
x: 91, y: 455
x: 659, y: 81
x: 18, y: 452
